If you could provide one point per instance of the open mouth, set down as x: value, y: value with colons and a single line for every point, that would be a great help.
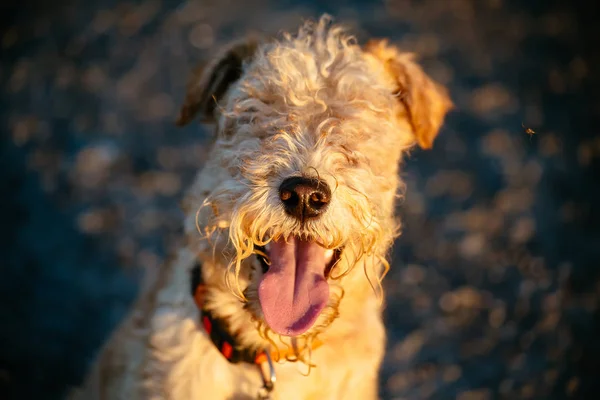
x: 293, y: 289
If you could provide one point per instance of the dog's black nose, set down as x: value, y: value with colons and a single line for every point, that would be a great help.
x: 304, y: 198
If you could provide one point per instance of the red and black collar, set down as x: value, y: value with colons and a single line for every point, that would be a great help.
x: 218, y: 329
x: 220, y: 334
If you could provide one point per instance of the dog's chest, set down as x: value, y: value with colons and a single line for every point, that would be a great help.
x: 185, y: 364
x: 203, y: 373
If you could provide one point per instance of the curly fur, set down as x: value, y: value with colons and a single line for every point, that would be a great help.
x: 314, y: 104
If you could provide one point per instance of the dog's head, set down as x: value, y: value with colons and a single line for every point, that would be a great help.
x: 301, y: 180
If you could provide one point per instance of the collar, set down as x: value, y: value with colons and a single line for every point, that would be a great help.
x: 219, y: 333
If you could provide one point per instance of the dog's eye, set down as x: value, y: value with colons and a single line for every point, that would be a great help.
x: 350, y: 157
x: 227, y: 133
x: 228, y: 129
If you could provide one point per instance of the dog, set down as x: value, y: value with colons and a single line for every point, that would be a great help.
x: 277, y: 292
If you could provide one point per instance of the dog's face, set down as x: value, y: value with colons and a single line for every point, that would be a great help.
x: 310, y: 133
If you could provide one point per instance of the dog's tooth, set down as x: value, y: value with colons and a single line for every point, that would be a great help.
x: 328, y: 255
x: 268, y: 247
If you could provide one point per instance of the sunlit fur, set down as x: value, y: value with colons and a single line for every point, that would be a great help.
x: 314, y: 104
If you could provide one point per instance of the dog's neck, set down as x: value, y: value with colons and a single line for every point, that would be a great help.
x: 224, y: 339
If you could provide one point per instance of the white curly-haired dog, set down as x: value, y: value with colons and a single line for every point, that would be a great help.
x: 295, y: 210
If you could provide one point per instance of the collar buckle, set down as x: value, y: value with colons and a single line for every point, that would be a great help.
x: 267, y: 373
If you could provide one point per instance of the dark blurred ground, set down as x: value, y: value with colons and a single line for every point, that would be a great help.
x: 494, y: 292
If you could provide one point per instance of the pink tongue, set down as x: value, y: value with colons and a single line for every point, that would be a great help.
x: 293, y: 291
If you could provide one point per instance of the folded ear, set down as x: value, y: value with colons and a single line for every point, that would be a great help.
x: 209, y: 83
x: 426, y: 101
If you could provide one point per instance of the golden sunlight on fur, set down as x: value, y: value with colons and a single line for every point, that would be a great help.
x: 314, y: 107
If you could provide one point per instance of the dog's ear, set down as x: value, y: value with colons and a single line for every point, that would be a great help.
x: 426, y: 101
x: 209, y: 83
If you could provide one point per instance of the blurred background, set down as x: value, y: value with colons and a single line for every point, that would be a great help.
x: 495, y: 285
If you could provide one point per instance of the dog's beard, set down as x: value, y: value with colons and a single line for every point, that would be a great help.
x: 300, y: 260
